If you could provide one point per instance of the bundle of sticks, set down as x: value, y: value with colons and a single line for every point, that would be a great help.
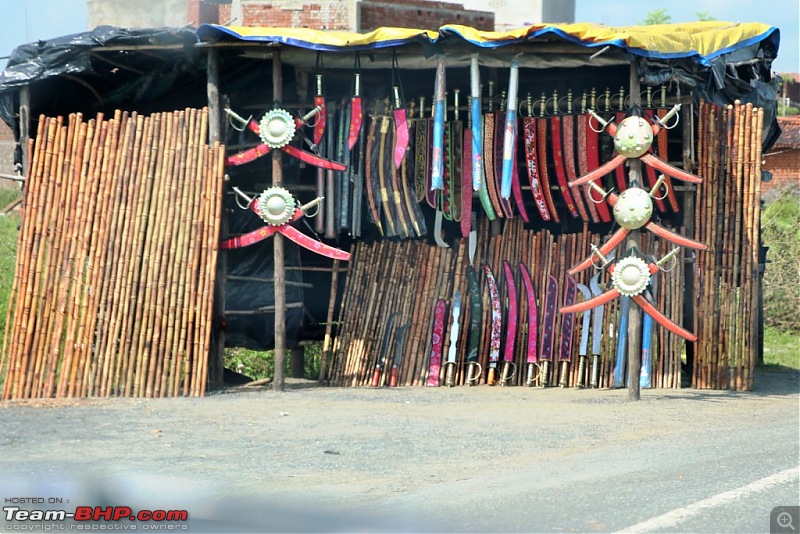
x: 116, y: 258
x: 727, y: 277
x: 409, y: 278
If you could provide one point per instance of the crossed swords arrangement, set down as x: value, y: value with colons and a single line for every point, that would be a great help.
x: 632, y: 210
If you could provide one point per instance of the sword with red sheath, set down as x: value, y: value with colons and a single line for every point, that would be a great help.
x: 398, y: 353
x: 541, y: 127
x: 456, y: 158
x: 450, y: 365
x: 467, y: 215
x: 548, y: 329
x: 496, y: 326
x: 597, y: 331
x: 558, y: 159
x: 356, y: 114
x: 531, y: 355
x: 488, y: 153
x: 531, y: 165
x: 358, y: 184
x: 382, y: 356
x: 589, y: 158
x: 475, y: 316
x: 568, y: 129
x: 565, y: 352
x: 400, y: 119
x: 509, y: 367
x: 583, y: 350
x: 650, y: 173
x: 661, y: 137
x: 277, y: 129
x: 437, y: 341
x: 319, y: 102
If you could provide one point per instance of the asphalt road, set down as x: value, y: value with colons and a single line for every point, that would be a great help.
x: 416, y: 459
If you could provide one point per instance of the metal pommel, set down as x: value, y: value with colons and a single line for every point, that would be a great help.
x: 448, y: 374
x: 357, y: 85
x: 473, y: 373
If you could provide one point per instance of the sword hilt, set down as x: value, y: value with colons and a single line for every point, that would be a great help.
x: 581, y: 372
x: 393, y: 378
x: 319, y: 84
x: 507, y: 373
x: 596, y: 252
x: 600, y: 120
x: 376, y: 378
x: 472, y: 375
x: 305, y: 118
x: 357, y: 85
x: 491, y: 378
x: 455, y: 103
x: 544, y: 380
x: 594, y: 382
x: 305, y: 207
x: 671, y: 113
x: 448, y: 374
x: 397, y: 102
x: 562, y: 381
x: 233, y: 116
x: 656, y: 186
x: 531, y: 376
x: 241, y: 194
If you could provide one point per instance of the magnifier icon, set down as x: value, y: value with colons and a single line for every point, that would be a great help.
x: 785, y: 520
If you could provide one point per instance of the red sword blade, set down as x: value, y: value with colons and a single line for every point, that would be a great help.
x: 319, y: 126
x: 662, y: 319
x: 584, y: 305
x: 313, y: 159
x: 255, y: 236
x: 401, y: 136
x: 600, y: 171
x: 314, y: 246
x: 666, y: 168
x: 672, y: 237
x: 604, y: 249
x: 247, y: 156
x: 355, y: 121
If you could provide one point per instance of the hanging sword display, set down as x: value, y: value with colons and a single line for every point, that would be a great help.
x: 276, y: 129
x: 278, y: 208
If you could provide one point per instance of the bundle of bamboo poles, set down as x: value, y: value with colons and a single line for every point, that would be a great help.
x: 726, y: 281
x: 409, y: 278
x: 116, y: 258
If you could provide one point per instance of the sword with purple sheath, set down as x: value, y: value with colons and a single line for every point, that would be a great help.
x: 450, y: 364
x: 509, y: 367
x: 533, y: 325
x: 548, y: 329
x: 565, y: 354
x: 437, y: 340
x: 584, y: 345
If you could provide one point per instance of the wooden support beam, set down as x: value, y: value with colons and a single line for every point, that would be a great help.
x: 217, y: 347
x: 633, y: 244
x: 279, y: 266
x: 24, y: 125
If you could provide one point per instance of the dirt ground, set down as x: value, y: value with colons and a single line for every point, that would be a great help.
x: 340, y: 448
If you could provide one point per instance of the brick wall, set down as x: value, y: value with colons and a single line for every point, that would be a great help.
x: 419, y: 14
x: 200, y: 12
x: 7, y: 146
x: 321, y: 15
x: 784, y: 164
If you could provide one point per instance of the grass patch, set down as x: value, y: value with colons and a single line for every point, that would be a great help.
x: 9, y: 225
x: 261, y: 364
x: 781, y: 349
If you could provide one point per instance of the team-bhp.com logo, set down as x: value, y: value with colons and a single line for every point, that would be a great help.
x: 86, y: 517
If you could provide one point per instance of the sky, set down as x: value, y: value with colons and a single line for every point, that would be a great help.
x: 31, y: 20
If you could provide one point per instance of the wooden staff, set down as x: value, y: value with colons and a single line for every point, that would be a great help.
x: 755, y: 275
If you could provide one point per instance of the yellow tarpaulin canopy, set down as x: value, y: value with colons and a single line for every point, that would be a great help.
x: 700, y: 41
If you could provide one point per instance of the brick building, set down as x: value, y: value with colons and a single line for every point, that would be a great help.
x: 783, y: 159
x: 342, y: 15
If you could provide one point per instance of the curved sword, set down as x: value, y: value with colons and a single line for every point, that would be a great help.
x: 548, y: 327
x: 584, y: 345
x: 597, y: 331
x: 497, y: 323
x: 533, y: 324
x: 437, y: 340
x: 475, y: 316
x: 511, y: 327
x: 451, y: 351
x: 398, y: 353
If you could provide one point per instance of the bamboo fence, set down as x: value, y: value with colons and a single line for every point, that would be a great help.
x: 116, y: 258
x: 410, y: 277
x: 727, y: 275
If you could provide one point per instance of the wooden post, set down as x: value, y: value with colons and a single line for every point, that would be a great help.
x: 633, y: 244
x: 689, y: 196
x: 217, y: 352
x: 24, y: 126
x: 277, y: 257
